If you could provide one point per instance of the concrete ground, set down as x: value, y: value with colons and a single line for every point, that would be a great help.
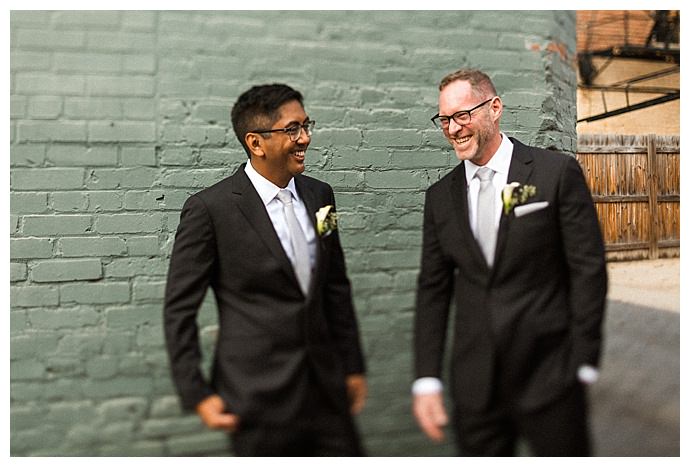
x: 635, y: 405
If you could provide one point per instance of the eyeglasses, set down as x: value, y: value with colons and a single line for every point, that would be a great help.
x: 462, y: 117
x: 293, y: 131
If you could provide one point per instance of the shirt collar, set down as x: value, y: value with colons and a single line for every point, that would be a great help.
x: 266, y: 189
x: 499, y: 162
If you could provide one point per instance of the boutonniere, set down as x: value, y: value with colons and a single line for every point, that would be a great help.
x: 514, y: 194
x: 326, y: 221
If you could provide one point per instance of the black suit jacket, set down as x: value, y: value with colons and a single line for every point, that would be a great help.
x: 535, y: 316
x: 271, y: 336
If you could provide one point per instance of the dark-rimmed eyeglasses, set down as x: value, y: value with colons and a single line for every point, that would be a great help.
x: 293, y: 131
x: 461, y: 117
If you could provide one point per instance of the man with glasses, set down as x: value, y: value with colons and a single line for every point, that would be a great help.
x: 512, y: 235
x: 288, y: 369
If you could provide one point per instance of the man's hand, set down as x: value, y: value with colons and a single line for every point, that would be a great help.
x: 356, y: 392
x: 431, y: 415
x: 212, y: 413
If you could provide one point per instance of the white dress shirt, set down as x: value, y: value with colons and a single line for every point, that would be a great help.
x: 268, y: 192
x: 500, y: 164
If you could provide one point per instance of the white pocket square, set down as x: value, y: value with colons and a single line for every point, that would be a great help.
x: 528, y: 208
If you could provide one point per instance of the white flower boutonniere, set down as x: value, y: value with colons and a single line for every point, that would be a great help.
x: 514, y: 194
x: 326, y: 221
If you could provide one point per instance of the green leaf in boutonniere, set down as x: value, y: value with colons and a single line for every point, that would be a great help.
x: 326, y: 221
x: 514, y: 194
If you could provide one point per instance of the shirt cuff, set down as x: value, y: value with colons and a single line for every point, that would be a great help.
x: 587, y: 374
x: 427, y: 385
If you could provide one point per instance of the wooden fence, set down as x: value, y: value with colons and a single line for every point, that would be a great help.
x: 635, y: 183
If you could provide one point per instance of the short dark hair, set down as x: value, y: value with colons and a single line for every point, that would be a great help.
x: 258, y: 108
x: 479, y: 81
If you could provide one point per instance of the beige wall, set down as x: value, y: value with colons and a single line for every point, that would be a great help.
x: 662, y: 119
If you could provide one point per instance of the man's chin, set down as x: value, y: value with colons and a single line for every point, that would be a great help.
x: 465, y: 151
x: 297, y: 168
x: 465, y: 155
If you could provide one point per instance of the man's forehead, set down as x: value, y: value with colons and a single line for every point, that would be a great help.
x: 457, y: 95
x: 292, y: 111
x: 457, y: 89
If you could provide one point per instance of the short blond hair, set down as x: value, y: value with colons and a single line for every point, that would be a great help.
x: 479, y: 81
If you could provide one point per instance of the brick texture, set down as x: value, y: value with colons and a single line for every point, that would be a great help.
x: 118, y: 116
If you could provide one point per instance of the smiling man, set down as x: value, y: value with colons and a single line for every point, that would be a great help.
x: 288, y: 369
x: 511, y: 234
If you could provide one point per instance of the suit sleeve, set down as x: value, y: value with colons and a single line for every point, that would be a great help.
x: 191, y: 266
x: 434, y: 292
x: 584, y: 252
x: 339, y: 307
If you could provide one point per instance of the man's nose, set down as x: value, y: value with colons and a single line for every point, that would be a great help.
x: 454, y: 127
x: 304, y: 137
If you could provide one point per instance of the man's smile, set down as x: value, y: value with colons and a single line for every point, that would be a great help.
x: 462, y: 139
x: 299, y: 154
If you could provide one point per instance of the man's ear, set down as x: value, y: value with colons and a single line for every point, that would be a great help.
x: 497, y: 109
x: 255, y: 144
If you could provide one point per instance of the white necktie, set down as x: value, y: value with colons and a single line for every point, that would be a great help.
x: 300, y: 250
x: 486, y: 209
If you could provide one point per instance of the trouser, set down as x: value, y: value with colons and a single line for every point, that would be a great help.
x: 558, y: 429
x: 319, y: 429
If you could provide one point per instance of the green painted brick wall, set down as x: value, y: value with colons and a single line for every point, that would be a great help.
x: 118, y: 116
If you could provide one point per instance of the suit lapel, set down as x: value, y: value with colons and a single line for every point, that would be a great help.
x: 520, y: 171
x: 459, y: 195
x: 253, y: 209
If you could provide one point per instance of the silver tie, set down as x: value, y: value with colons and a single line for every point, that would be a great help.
x: 486, y: 212
x: 300, y: 250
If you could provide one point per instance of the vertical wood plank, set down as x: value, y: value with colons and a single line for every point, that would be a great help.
x: 652, y: 190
